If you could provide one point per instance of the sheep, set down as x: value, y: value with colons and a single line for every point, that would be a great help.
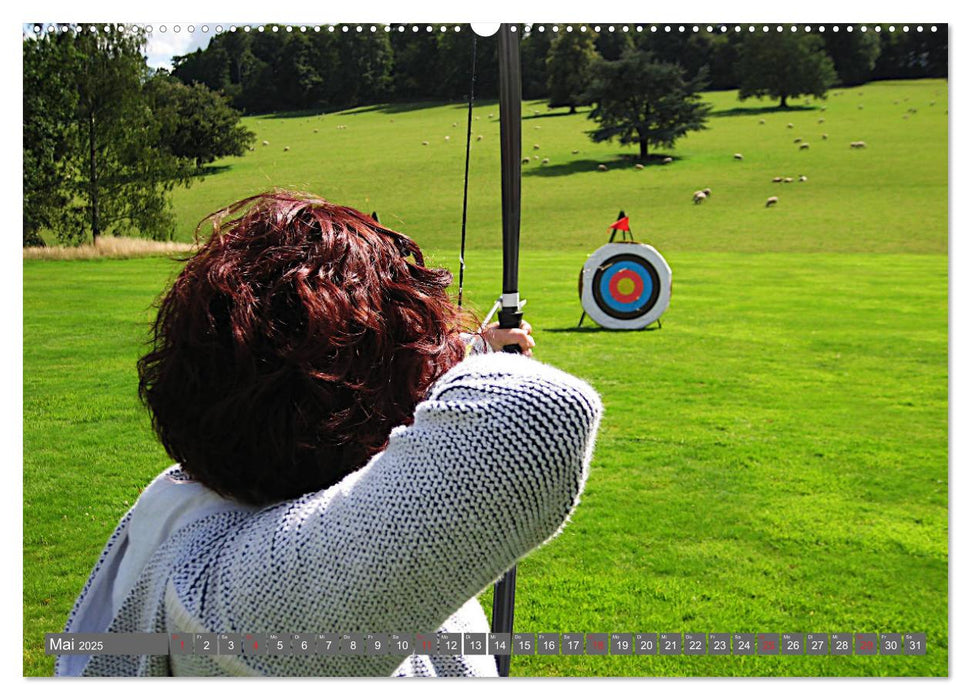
x: 777, y: 179
x: 479, y: 137
x: 454, y: 125
x: 638, y: 166
x: 316, y: 130
x: 789, y: 125
x: 737, y: 156
x: 535, y: 146
x: 286, y: 148
x: 761, y: 121
x: 699, y: 197
x: 448, y: 138
x: 536, y: 127
x: 906, y: 116
x: 825, y: 137
x: 266, y: 143
x: 575, y: 151
x: 797, y: 139
x: 803, y: 178
x: 525, y: 161
x: 667, y: 160
x: 820, y: 120
x: 491, y: 116
x: 786, y: 180
x: 822, y: 109
x: 535, y: 157
x: 424, y: 143
x: 859, y: 106
x: 803, y: 146
x: 771, y: 200
x: 707, y: 191
x: 602, y: 168
x: 858, y: 144
x: 250, y: 148
x: 546, y: 161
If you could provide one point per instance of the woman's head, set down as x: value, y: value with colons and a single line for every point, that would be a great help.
x: 291, y: 344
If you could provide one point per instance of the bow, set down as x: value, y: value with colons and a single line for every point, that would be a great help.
x: 510, y: 313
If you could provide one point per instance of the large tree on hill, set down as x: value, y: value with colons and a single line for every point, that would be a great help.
x: 640, y: 100
x: 783, y: 64
x: 568, y: 65
x: 195, y: 123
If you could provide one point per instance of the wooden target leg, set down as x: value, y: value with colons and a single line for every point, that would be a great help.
x: 582, y: 316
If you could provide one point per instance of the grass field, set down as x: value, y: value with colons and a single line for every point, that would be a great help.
x: 775, y: 459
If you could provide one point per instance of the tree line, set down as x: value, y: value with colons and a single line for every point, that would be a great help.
x: 275, y: 68
x: 106, y: 139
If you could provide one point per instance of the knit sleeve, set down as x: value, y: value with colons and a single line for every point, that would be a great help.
x: 491, y: 468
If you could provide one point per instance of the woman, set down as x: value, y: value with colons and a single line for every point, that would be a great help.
x: 341, y: 467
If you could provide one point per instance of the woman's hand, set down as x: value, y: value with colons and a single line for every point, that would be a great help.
x: 498, y: 338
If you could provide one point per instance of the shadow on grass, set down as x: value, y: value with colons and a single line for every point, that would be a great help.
x: 624, y: 161
x: 207, y: 170
x: 599, y: 329
x: 752, y: 111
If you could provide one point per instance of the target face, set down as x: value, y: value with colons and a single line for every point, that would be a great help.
x: 625, y: 285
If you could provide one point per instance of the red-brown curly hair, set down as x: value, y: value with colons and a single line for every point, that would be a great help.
x: 291, y: 344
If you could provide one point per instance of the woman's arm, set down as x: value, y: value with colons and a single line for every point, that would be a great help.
x: 492, y: 466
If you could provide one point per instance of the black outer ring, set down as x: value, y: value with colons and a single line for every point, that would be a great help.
x: 643, y: 308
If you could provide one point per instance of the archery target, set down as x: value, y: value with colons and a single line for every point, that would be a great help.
x: 625, y: 285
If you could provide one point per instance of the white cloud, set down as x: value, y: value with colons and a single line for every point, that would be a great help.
x: 162, y: 46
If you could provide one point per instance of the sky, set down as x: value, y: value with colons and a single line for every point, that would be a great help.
x: 163, y: 45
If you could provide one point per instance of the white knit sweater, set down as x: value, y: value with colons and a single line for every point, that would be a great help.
x: 491, y: 468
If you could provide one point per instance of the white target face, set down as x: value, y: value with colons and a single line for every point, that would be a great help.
x: 625, y: 285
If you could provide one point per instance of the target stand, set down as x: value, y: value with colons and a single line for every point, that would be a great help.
x: 625, y: 286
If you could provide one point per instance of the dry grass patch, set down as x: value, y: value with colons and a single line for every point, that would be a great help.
x: 110, y: 247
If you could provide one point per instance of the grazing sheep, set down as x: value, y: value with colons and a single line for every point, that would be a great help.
x: 574, y: 151
x: 777, y: 179
x: 266, y: 143
x: 825, y: 136
x: 771, y: 200
x: 822, y: 109
x: 820, y: 120
x: 933, y: 103
x: 250, y: 148
x: 858, y: 144
x: 761, y: 121
x: 602, y: 168
x: 424, y: 143
x: 477, y: 117
x: 535, y: 146
x: 286, y: 148
x: 797, y: 139
x: 546, y: 161
x: 638, y: 166
x: 707, y: 191
x: 699, y: 197
x: 525, y: 161
x: 535, y: 127
x: 491, y: 116
x: 789, y: 125
x: 479, y: 137
x: 803, y: 146
x: 454, y: 124
x: 786, y: 180
x: 803, y: 178
x: 535, y: 157
x: 859, y: 106
x: 316, y: 130
x: 448, y: 138
x: 906, y: 116
x: 667, y: 160
x: 737, y: 156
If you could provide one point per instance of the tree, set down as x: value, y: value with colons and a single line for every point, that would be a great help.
x: 783, y: 64
x: 854, y: 54
x: 113, y: 176
x: 568, y: 68
x: 49, y: 106
x: 534, y: 51
x: 640, y: 100
x: 196, y: 123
